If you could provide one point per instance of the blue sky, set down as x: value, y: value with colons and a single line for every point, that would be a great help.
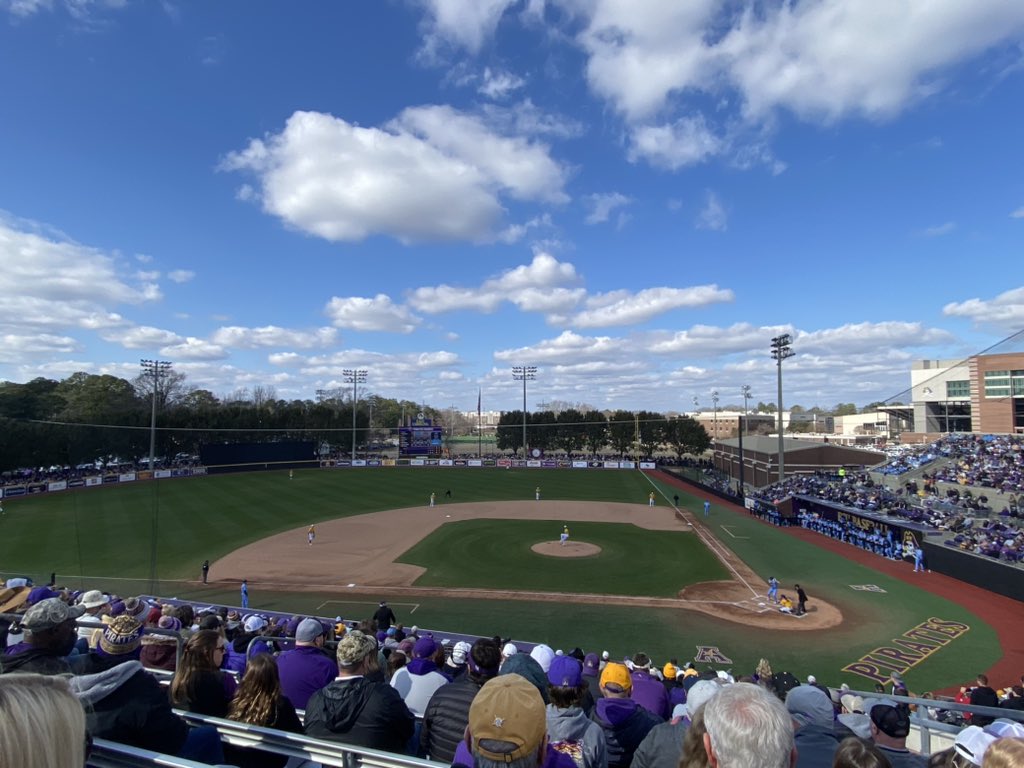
x: 632, y: 195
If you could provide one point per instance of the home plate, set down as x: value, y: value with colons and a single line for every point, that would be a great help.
x: 351, y: 585
x: 760, y: 605
x: 447, y: 515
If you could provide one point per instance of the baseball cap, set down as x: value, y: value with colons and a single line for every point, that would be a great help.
x: 355, y: 647
x: 460, y: 653
x: 424, y: 648
x: 591, y: 664
x: 972, y: 742
x: 669, y: 671
x: 809, y: 705
x: 699, y: 693
x: 565, y: 671
x: 255, y: 623
x: 308, y: 630
x: 616, y: 674
x: 509, y: 649
x: 543, y: 655
x: 887, y: 717
x: 507, y: 709
x: 1005, y: 729
x: 38, y: 594
x: 852, y: 703
x: 50, y: 613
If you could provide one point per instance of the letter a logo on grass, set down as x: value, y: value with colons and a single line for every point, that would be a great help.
x: 709, y: 654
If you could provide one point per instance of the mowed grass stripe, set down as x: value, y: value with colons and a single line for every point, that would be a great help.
x: 496, y: 554
x: 107, y: 530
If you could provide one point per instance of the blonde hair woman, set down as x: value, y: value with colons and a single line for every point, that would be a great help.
x: 42, y: 724
x: 259, y: 701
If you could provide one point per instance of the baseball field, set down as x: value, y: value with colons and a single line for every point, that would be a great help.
x: 486, y: 559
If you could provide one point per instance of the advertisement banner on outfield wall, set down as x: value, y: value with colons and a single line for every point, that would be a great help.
x: 611, y: 465
x: 506, y: 463
x: 162, y: 474
x: 389, y: 463
x: 475, y: 463
x: 648, y: 465
x: 60, y: 485
x: 13, y: 491
x: 417, y: 463
x: 534, y: 463
x: 358, y: 462
x: 91, y: 481
x: 627, y: 465
x: 76, y: 482
x: 37, y: 488
x: 445, y: 463
x: 548, y: 463
x: 373, y: 462
x: 580, y: 464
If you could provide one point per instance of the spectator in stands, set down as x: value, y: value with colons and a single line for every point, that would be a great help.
x: 693, y: 754
x: 417, y: 680
x: 526, y: 666
x: 42, y: 725
x: 161, y: 651
x: 356, y: 710
x: 1005, y: 753
x: 592, y: 677
x: 239, y: 650
x: 665, y: 744
x: 570, y: 731
x: 96, y: 606
x: 447, y: 713
x: 648, y: 692
x: 198, y: 684
x: 982, y: 695
x: 857, y: 753
x: 890, y: 726
x: 259, y: 701
x: 812, y: 714
x: 747, y: 726
x: 507, y: 727
x: 50, y: 636
x: 306, y: 669
x: 123, y: 702
x: 1014, y: 698
x: 624, y: 722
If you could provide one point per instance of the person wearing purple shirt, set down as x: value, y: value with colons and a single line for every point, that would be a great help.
x: 306, y: 669
x: 648, y: 692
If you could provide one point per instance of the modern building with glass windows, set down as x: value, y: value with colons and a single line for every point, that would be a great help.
x: 983, y: 394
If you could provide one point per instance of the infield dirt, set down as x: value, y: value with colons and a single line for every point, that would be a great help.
x: 358, y: 555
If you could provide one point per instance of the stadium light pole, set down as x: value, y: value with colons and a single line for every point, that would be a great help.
x: 154, y: 369
x: 781, y: 349
x: 745, y: 391
x: 355, y: 377
x: 714, y: 412
x: 524, y: 373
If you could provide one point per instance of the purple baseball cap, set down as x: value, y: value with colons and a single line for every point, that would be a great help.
x: 565, y: 671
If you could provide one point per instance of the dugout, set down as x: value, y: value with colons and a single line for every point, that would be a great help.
x: 981, y: 571
x: 219, y: 458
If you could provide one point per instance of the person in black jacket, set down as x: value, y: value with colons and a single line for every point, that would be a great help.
x: 384, y: 617
x: 983, y: 695
x: 122, y: 701
x: 624, y: 722
x: 355, y: 709
x: 447, y: 713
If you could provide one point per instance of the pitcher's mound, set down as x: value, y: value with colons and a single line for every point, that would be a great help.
x: 571, y: 549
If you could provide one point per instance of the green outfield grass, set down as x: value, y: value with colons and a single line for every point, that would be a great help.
x: 496, y: 554
x: 102, y: 537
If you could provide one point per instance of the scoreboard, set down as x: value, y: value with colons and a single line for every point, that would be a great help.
x: 422, y: 438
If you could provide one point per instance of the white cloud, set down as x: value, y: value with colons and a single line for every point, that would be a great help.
x: 239, y: 337
x: 567, y: 348
x: 625, y: 308
x: 147, y: 275
x: 16, y: 348
x: 499, y: 84
x: 527, y: 119
x: 141, y: 337
x: 541, y: 286
x: 706, y: 341
x: 194, y: 349
x: 23, y: 8
x: 1005, y: 311
x: 821, y: 60
x: 513, y: 233
x: 602, y: 205
x: 686, y: 141
x: 180, y: 275
x: 868, y: 338
x: 461, y: 23
x: 434, y: 173
x: 371, y: 314
x: 450, y: 376
x: 940, y: 230
x: 1018, y: 214
x: 713, y: 215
